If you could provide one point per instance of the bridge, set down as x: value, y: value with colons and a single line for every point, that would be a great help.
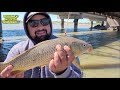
x: 112, y: 19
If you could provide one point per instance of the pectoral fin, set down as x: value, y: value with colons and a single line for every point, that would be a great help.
x: 76, y: 62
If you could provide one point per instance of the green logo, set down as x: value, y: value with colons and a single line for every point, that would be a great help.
x: 10, y: 19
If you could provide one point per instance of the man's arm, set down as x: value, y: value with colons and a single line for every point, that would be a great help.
x: 12, y: 53
x: 71, y: 72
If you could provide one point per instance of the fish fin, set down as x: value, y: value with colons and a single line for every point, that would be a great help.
x: 76, y: 62
x: 18, y: 71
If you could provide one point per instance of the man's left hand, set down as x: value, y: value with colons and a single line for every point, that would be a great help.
x: 63, y: 58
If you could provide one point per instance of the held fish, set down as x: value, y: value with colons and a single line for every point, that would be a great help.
x: 42, y: 53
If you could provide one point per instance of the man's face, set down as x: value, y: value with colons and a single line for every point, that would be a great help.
x: 39, y: 32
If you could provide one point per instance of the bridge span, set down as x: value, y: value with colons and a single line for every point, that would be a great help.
x: 112, y: 19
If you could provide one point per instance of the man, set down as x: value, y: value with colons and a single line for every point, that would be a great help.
x: 38, y: 27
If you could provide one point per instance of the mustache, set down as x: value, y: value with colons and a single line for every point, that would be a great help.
x: 41, y: 38
x: 40, y: 31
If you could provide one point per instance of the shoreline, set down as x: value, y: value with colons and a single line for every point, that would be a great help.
x: 55, y: 26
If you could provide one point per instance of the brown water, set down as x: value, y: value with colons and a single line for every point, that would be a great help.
x: 103, y: 62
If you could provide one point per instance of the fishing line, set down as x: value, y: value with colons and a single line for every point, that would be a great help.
x: 67, y: 22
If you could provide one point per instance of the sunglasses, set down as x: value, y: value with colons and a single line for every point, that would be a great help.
x: 35, y: 23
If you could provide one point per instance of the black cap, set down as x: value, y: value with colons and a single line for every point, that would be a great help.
x: 31, y: 14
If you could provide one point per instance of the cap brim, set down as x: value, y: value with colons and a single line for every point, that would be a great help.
x: 30, y: 15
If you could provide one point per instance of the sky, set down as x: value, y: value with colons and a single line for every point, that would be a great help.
x: 53, y: 17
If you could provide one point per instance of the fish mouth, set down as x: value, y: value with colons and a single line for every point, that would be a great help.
x: 90, y: 49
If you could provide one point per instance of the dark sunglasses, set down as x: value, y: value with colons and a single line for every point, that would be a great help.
x: 35, y: 23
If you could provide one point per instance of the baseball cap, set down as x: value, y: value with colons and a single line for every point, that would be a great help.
x: 31, y: 14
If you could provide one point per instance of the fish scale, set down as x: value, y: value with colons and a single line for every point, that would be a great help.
x: 43, y: 52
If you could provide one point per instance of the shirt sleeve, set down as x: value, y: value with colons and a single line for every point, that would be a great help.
x: 16, y: 50
x: 71, y: 72
x: 12, y: 53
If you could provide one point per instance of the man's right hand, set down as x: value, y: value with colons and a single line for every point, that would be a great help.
x: 7, y: 73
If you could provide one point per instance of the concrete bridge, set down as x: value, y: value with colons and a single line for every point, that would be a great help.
x: 112, y: 19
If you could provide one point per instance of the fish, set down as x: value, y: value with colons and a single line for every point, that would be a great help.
x: 41, y: 53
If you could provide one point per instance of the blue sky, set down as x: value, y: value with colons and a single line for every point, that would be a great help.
x: 53, y: 17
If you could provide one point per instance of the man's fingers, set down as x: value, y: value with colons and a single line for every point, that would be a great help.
x: 61, y: 52
x: 17, y: 75
x: 57, y: 61
x: 62, y: 59
x: 59, y: 48
x: 14, y: 74
x: 68, y: 50
x: 52, y: 66
x: 20, y: 75
x: 70, y: 54
x: 6, y: 72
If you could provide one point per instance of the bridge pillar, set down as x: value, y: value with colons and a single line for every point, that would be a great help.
x: 91, y: 25
x: 75, y: 24
x: 62, y: 23
x: 102, y: 24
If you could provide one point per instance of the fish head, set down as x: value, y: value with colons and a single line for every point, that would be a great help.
x: 81, y: 47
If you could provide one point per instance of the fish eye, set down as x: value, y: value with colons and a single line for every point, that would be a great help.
x: 84, y: 45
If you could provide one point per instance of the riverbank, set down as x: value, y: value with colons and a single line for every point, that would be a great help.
x: 55, y: 26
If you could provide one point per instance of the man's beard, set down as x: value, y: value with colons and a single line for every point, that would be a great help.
x: 41, y: 38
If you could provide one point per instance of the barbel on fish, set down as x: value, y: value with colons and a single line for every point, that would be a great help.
x: 42, y: 53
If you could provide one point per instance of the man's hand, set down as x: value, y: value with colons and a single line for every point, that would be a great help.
x: 7, y: 73
x: 63, y: 57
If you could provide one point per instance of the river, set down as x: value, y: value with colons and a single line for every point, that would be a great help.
x: 105, y: 56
